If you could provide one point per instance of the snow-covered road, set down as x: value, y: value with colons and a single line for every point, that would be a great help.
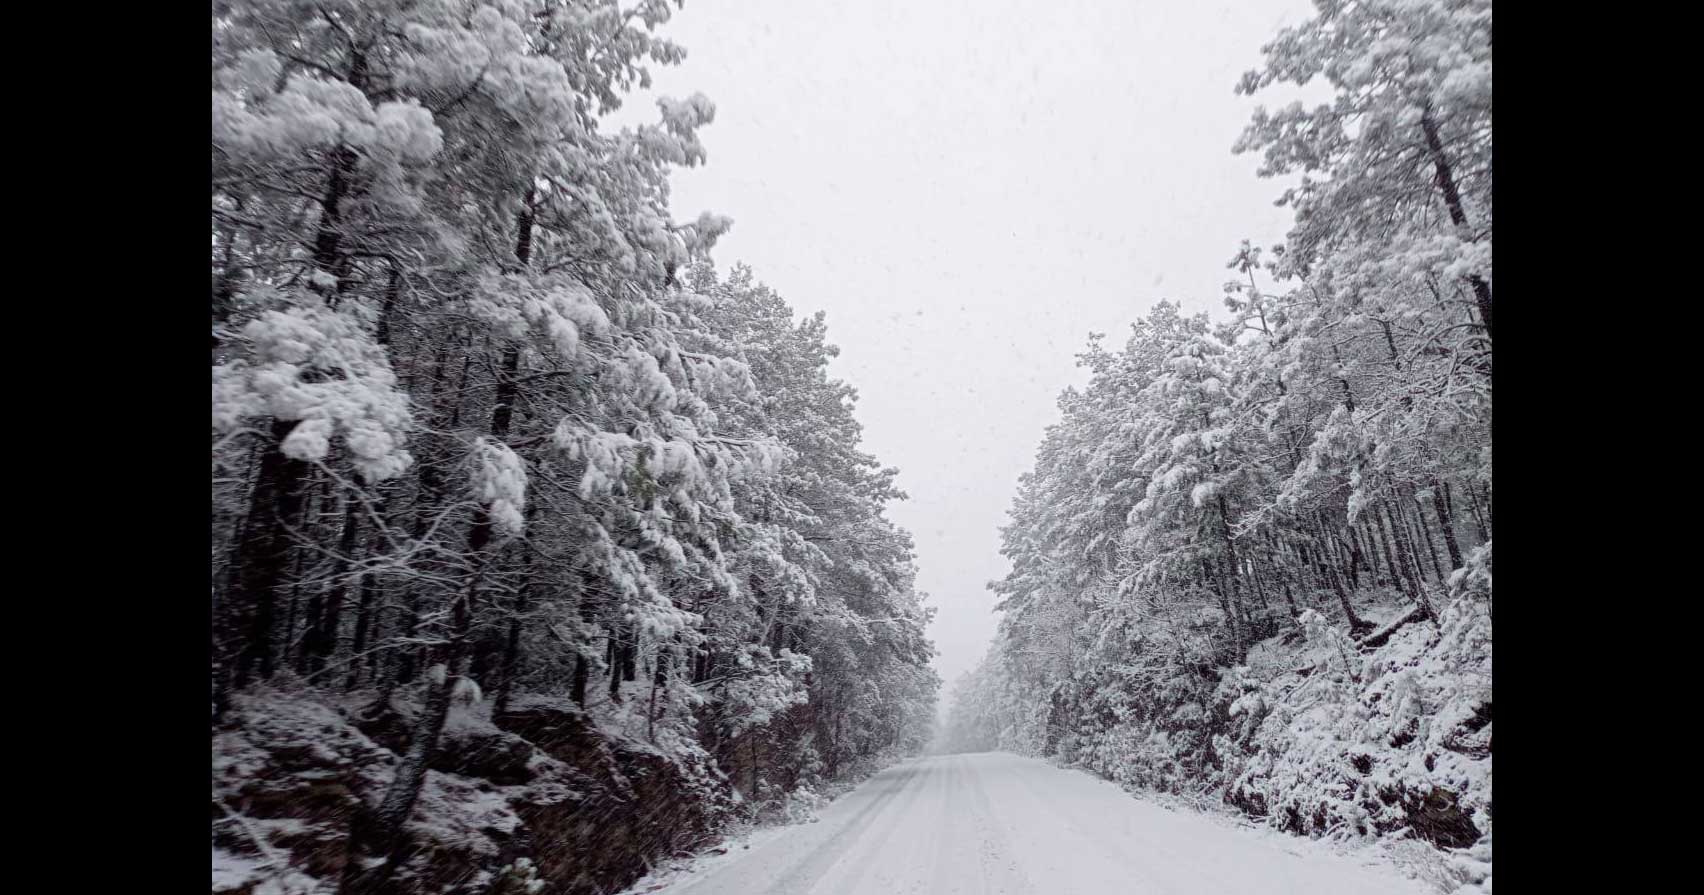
x: 997, y: 823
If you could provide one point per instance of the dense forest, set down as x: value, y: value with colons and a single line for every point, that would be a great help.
x: 540, y: 550
x: 1252, y: 563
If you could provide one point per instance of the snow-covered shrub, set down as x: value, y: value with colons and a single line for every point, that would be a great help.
x: 802, y: 805
x: 518, y: 878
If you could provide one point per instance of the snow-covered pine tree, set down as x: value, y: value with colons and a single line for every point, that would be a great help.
x: 485, y: 422
x: 1227, y: 514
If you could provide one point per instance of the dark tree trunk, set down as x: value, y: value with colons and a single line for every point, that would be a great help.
x: 512, y: 647
x: 325, y: 619
x: 408, y: 656
x: 427, y: 498
x: 363, y: 628
x: 1458, y: 216
x: 659, y: 680
x: 312, y: 627
x: 1282, y: 570
x: 1440, y: 507
x: 263, y: 549
x: 1423, y: 532
x: 1406, y: 579
x: 1230, y: 557
x: 502, y: 416
x: 511, y: 656
x: 329, y: 255
x: 1356, y: 623
x: 1313, y: 573
x: 1383, y: 568
x: 1210, y: 576
x: 617, y: 663
x: 1478, y: 515
x: 380, y: 833
x: 582, y: 666
x: 1369, y: 549
x: 1348, y: 395
x: 577, y: 684
x: 1407, y: 552
x: 287, y: 638
x: 1405, y: 545
x: 382, y: 332
x: 630, y: 657
x: 502, y: 413
x: 1357, y: 559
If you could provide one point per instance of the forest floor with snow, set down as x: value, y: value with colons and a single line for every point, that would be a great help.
x: 1001, y: 823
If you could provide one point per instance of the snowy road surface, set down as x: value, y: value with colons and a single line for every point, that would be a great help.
x: 997, y: 823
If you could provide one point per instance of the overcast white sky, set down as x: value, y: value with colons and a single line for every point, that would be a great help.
x: 968, y: 188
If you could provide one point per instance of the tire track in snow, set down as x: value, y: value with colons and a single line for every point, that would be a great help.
x: 997, y: 869
x: 804, y: 876
x: 919, y: 823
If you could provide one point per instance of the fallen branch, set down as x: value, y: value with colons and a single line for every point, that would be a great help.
x: 1383, y: 635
